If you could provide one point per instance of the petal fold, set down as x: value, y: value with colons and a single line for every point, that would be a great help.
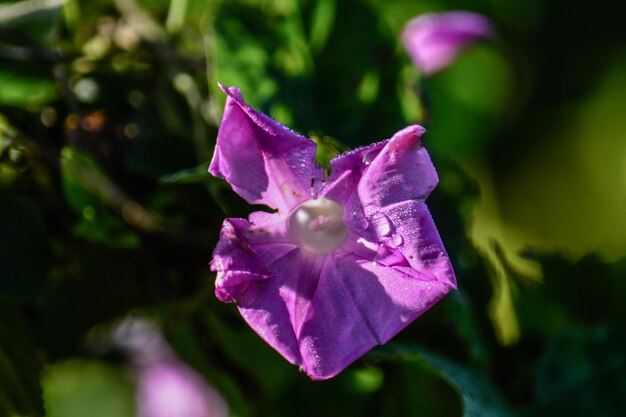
x: 235, y: 263
x: 264, y: 161
x: 383, y: 188
x: 401, y: 171
x: 320, y: 313
x: 256, y: 273
x: 360, y: 304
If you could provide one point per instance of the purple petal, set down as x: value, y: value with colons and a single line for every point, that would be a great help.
x: 264, y: 161
x: 235, y: 263
x: 323, y: 312
x: 434, y: 40
x: 262, y: 274
x: 387, y: 172
x: 383, y: 188
x: 359, y: 304
x: 347, y: 169
x: 402, y: 170
x: 234, y: 259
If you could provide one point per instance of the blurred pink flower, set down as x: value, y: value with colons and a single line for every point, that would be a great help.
x: 166, y: 386
x: 171, y: 389
x: 434, y: 40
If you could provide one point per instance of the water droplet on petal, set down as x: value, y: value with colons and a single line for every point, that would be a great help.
x: 359, y: 218
x: 369, y: 156
x: 317, y: 226
x: 382, y: 224
x: 396, y: 240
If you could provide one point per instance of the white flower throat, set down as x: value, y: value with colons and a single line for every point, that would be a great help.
x: 317, y: 226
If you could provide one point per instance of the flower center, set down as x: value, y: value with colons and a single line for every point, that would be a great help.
x: 317, y: 226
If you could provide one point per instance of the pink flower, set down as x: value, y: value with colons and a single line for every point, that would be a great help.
x: 171, y: 389
x: 434, y: 40
x: 344, y: 263
x: 166, y: 387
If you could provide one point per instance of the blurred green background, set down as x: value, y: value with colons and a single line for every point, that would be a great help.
x: 108, y: 114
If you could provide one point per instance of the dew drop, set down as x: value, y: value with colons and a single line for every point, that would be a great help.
x: 382, y: 224
x: 317, y: 226
x: 359, y: 218
x: 396, y: 240
x: 368, y: 157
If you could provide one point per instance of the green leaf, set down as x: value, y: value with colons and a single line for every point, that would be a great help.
x: 24, y: 252
x: 82, y: 388
x: 322, y: 22
x: 327, y: 149
x: 198, y: 175
x: 582, y: 373
x: 86, y: 188
x: 479, y: 397
x: 262, y: 49
x: 459, y: 308
x: 353, y: 94
x: 251, y: 353
x: 241, y: 57
x: 20, y: 393
x: 23, y: 89
x: 476, y: 93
